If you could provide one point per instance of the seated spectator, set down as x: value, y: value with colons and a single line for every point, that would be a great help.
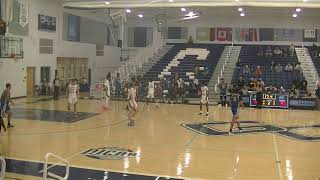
x: 245, y: 90
x: 261, y: 83
x: 304, y: 85
x: 206, y: 71
x: 251, y: 84
x: 298, y: 67
x: 282, y: 90
x: 258, y: 72
x: 260, y: 51
x: 277, y: 51
x: 196, y: 71
x: 291, y: 50
x: 273, y: 66
x: 285, y: 51
x: 293, y: 91
x: 288, y: 68
x: 278, y: 68
x: 246, y: 70
x: 268, y: 52
x: 241, y: 82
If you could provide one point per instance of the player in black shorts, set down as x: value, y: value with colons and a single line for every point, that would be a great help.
x: 5, y: 101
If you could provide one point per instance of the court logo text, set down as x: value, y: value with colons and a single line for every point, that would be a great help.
x: 109, y: 153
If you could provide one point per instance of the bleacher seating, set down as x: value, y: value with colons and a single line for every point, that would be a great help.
x: 248, y: 56
x: 183, y: 58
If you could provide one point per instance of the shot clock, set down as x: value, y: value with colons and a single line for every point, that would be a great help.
x: 271, y: 100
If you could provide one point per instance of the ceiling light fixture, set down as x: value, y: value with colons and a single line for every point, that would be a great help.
x: 242, y: 14
x: 305, y: 0
x: 107, y: 2
x: 170, y: 0
x: 294, y: 15
x: 128, y: 11
x: 240, y: 9
x: 190, y: 17
x: 236, y: 0
x: 298, y: 9
x: 140, y: 15
x: 183, y: 9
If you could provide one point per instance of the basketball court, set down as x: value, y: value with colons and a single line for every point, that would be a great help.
x: 160, y: 145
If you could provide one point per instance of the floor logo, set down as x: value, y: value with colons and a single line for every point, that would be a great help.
x: 109, y: 153
x: 214, y: 129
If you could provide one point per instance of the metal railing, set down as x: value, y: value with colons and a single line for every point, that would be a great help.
x: 3, y: 168
x: 45, y: 167
x: 131, y: 67
x: 226, y: 60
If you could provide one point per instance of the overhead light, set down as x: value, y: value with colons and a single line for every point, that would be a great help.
x: 305, y: 0
x: 190, y: 14
x: 107, y: 2
x: 190, y: 17
x: 183, y: 9
x: 140, y: 15
x: 240, y: 9
x: 236, y: 0
x: 128, y: 11
x: 170, y: 0
x: 242, y: 14
x: 294, y: 15
x: 298, y: 9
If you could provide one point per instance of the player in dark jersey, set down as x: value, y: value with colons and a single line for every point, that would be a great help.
x: 234, y: 103
x: 223, y: 92
x: 5, y: 101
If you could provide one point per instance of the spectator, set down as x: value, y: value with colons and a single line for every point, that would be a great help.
x: 291, y: 50
x: 246, y: 70
x: 245, y: 90
x: 223, y: 92
x: 190, y: 40
x: 288, y: 68
x: 278, y: 68
x: 304, y: 85
x: 314, y: 51
x: 196, y: 70
x: 260, y: 51
x: 277, y: 52
x: 206, y: 71
x: 258, y: 72
x: 282, y: 90
x: 56, y: 88
x: 285, y: 51
x: 293, y: 91
x: 268, y: 52
x: 318, y: 96
x: 298, y: 67
x: 117, y: 84
x: 241, y: 82
x: 273, y: 66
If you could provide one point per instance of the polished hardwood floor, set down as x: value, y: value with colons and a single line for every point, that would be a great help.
x: 167, y: 141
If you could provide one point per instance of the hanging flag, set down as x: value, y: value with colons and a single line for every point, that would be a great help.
x: 24, y: 14
x: 224, y: 34
x: 245, y: 34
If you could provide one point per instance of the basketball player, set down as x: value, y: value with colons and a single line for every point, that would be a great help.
x: 5, y: 101
x: 223, y: 92
x: 106, y: 88
x: 72, y: 94
x: 151, y: 90
x: 132, y: 105
x: 204, y: 100
x: 234, y: 102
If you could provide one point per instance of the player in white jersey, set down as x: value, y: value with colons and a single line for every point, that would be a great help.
x: 204, y: 100
x: 107, y: 90
x: 151, y: 89
x: 72, y: 94
x: 132, y: 105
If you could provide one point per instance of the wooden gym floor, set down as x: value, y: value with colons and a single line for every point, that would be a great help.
x: 168, y: 141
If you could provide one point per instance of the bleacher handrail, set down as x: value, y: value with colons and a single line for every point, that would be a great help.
x: 45, y: 167
x: 3, y: 167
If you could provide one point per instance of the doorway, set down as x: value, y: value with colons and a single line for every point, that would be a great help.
x: 30, y: 80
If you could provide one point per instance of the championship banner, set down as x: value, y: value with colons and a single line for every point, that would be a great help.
x: 24, y: 14
x: 309, y: 33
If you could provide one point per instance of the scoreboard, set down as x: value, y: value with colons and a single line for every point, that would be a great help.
x: 271, y: 100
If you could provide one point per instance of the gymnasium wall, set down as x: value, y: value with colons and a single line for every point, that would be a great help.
x: 15, y: 71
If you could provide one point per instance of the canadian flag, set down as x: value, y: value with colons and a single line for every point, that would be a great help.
x: 224, y: 34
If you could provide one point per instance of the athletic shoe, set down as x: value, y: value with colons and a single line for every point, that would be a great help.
x: 230, y: 133
x: 240, y: 130
x: 200, y: 114
x: 207, y: 114
x: 10, y: 126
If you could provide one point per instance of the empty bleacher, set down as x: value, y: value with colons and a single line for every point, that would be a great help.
x: 248, y: 56
x: 182, y: 60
